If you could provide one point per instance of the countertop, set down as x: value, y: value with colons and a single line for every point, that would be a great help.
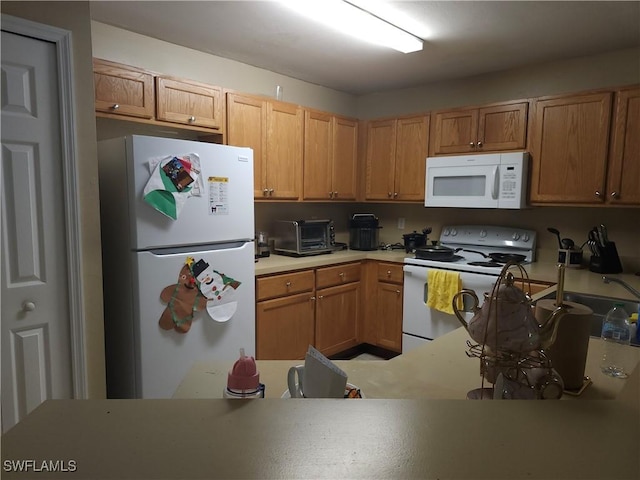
x: 576, y: 280
x: 414, y: 438
x: 437, y: 370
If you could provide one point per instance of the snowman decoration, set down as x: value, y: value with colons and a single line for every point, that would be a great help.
x: 219, y: 289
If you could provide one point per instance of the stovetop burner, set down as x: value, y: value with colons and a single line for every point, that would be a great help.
x: 486, y: 264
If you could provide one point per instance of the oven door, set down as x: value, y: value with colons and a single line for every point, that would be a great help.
x: 466, y: 181
x: 421, y: 324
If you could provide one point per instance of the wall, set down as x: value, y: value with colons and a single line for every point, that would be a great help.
x: 584, y: 73
x: 74, y: 16
x: 111, y: 43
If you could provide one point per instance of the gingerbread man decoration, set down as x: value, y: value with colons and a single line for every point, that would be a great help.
x: 183, y: 299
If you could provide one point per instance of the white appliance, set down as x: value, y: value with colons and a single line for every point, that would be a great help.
x: 421, y: 324
x: 157, y: 270
x: 484, y: 180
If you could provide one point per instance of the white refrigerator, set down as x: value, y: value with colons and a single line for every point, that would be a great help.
x: 177, y: 223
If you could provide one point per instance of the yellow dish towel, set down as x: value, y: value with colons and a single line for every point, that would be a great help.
x: 442, y: 286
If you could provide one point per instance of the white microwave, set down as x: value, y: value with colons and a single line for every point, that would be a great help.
x: 484, y: 180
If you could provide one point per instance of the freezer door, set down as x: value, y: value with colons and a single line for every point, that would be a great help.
x: 223, y: 211
x: 163, y: 357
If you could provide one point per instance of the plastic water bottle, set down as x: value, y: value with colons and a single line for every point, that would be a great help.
x: 615, y: 338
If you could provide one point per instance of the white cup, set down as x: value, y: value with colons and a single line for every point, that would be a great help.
x: 315, y: 380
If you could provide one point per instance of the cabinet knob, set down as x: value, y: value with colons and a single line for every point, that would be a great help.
x: 192, y: 119
x: 288, y: 284
x: 320, y: 297
x: 395, y: 194
x: 398, y: 292
x: 389, y: 194
x: 313, y: 298
x: 330, y: 194
x: 335, y: 194
x: 388, y: 273
x: 471, y: 144
x: 271, y: 191
x: 28, y: 306
x: 265, y: 192
x: 479, y: 144
x: 341, y: 274
x: 615, y: 195
x: 115, y: 107
x: 598, y: 194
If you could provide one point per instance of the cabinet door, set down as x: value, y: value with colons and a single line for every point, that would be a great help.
x: 502, y: 127
x: 569, y: 148
x: 345, y: 158
x: 381, y: 154
x: 623, y: 184
x: 123, y: 91
x: 336, y: 318
x: 284, y: 327
x: 412, y: 141
x: 285, y: 123
x: 454, y: 132
x: 389, y: 316
x: 246, y: 127
x: 190, y: 103
x: 318, y: 144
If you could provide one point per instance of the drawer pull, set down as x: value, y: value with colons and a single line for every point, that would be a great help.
x: 288, y: 284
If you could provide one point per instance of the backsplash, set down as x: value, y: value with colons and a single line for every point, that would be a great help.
x: 572, y: 222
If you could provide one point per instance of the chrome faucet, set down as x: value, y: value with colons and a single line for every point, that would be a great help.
x: 632, y: 290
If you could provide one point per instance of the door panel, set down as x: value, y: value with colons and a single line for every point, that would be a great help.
x: 36, y: 358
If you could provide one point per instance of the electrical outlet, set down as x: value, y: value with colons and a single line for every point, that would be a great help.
x: 401, y: 223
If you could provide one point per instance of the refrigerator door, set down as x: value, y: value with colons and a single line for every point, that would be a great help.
x: 222, y: 212
x: 163, y: 357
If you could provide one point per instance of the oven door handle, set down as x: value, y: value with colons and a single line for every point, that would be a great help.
x: 496, y: 182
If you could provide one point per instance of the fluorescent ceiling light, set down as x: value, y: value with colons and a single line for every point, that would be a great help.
x: 352, y: 20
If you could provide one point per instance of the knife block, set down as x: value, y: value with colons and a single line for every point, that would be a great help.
x: 608, y: 260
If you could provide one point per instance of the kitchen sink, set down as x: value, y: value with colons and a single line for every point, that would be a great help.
x: 600, y: 306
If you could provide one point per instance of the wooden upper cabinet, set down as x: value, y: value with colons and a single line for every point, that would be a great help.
x: 569, y: 146
x: 381, y: 155
x: 318, y: 151
x: 189, y: 103
x: 623, y: 180
x: 396, y: 158
x: 285, y: 125
x: 345, y: 158
x: 330, y: 157
x: 492, y: 128
x: 123, y: 90
x: 412, y: 140
x: 246, y: 127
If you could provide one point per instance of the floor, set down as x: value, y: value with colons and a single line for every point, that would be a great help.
x: 367, y: 356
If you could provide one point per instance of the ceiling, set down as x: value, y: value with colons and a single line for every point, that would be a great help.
x: 461, y: 38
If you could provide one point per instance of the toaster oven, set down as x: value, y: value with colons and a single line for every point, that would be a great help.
x: 304, y: 237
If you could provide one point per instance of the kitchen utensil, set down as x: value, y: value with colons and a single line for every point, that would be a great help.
x: 415, y: 240
x: 602, y: 234
x: 557, y: 234
x: 506, y: 321
x: 441, y: 253
x: 317, y: 378
x: 363, y: 231
x: 568, y: 244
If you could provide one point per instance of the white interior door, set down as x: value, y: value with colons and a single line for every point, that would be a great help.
x: 36, y: 352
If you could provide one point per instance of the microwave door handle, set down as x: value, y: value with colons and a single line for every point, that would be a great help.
x: 496, y: 182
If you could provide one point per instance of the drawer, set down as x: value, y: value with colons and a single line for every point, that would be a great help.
x: 285, y: 284
x: 330, y: 276
x: 390, y: 272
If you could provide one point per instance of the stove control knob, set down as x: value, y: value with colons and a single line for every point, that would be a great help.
x: 525, y: 237
x: 516, y: 236
x: 483, y: 233
x: 454, y: 232
x: 446, y: 232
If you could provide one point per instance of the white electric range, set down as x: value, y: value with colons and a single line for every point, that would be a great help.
x: 421, y: 324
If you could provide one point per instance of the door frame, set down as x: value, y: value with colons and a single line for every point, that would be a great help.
x: 64, y: 51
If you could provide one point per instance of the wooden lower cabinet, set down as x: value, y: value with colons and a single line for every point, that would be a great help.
x: 285, y: 327
x: 389, y: 316
x: 337, y: 310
